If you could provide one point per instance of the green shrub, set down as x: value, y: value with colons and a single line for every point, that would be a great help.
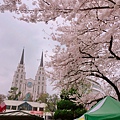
x: 65, y: 104
x: 64, y: 115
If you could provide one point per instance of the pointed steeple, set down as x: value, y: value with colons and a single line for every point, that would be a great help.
x: 41, y: 63
x: 22, y: 58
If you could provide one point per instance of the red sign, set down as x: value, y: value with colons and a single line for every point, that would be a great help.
x: 37, y: 112
x: 2, y: 107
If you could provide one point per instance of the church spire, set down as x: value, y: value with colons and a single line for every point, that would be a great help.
x: 41, y: 63
x: 22, y: 58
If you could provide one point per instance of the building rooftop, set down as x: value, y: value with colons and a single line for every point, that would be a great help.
x: 17, y: 103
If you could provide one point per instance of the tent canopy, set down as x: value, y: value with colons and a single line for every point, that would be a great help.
x: 107, y: 109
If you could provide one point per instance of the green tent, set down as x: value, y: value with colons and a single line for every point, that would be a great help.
x: 107, y: 109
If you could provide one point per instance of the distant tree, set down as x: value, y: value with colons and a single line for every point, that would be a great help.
x: 68, y: 110
x: 67, y: 107
x: 43, y: 97
x: 73, y: 92
x: 2, y: 97
x: 51, y: 102
x: 67, y: 94
x: 13, y: 95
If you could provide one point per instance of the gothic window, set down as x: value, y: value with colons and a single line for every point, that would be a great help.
x: 29, y: 84
x: 20, y: 87
x: 21, y: 76
x: 17, y: 76
x: 38, y: 90
x: 25, y: 86
x: 42, y: 89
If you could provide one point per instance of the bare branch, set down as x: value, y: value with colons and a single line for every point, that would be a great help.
x: 108, y: 81
x: 110, y: 49
x: 112, y: 1
x: 95, y: 100
x: 88, y: 55
x: 46, y: 2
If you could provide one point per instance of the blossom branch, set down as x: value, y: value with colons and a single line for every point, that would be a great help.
x: 110, y: 49
x: 112, y: 1
x: 46, y: 2
x: 108, y: 81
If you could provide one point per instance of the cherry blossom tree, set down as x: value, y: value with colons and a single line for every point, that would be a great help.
x: 45, y: 10
x: 89, y: 45
x: 2, y: 97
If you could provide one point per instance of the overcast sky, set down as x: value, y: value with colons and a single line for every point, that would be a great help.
x: 14, y: 35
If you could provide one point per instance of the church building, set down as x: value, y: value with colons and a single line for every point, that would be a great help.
x: 30, y: 88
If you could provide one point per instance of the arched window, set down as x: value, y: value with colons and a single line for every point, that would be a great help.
x: 17, y: 76
x: 20, y: 87
x: 38, y: 90
x: 21, y: 76
x: 42, y: 89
